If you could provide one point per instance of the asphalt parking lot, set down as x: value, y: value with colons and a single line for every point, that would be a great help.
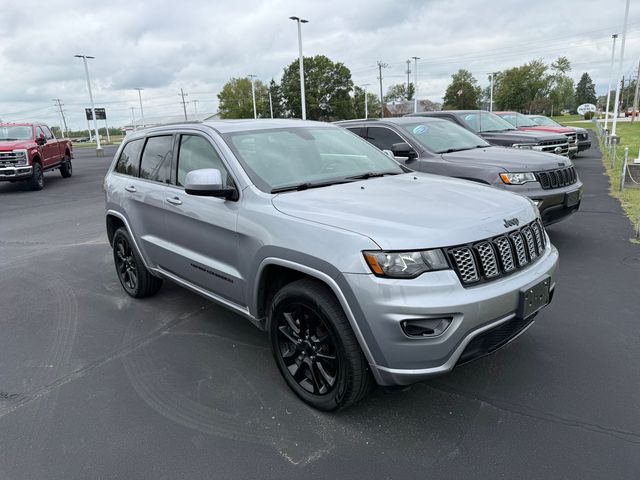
x: 94, y: 384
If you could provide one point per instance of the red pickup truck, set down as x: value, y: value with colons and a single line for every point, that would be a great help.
x: 27, y: 150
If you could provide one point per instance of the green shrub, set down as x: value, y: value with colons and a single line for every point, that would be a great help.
x: 589, y: 115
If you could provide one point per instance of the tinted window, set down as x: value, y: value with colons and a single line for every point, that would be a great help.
x: 360, y: 131
x: 195, y: 153
x: 383, y: 138
x: 156, y: 159
x: 129, y: 161
x: 484, y: 122
x: 39, y: 132
x: 47, y: 133
x: 441, y: 136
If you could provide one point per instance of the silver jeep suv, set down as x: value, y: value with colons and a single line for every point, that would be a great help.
x: 359, y: 269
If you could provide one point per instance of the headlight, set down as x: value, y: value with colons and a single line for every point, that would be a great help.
x: 517, y: 178
x: 526, y: 146
x: 405, y: 264
x: 22, y: 156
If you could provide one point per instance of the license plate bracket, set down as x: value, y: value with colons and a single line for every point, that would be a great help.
x: 533, y: 297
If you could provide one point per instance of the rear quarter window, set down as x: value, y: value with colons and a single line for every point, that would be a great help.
x: 129, y: 161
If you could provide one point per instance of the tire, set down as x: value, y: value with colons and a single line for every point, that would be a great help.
x: 36, y: 182
x: 66, y: 169
x: 134, y: 277
x: 315, y: 348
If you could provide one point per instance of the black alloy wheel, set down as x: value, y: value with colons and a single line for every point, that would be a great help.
x: 308, y: 349
x: 126, y: 264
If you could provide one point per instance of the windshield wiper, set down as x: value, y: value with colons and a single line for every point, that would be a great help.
x: 8, y: 139
x: 305, y: 186
x: 451, y: 150
x: 367, y: 175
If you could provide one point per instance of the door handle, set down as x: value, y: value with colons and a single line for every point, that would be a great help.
x: 174, y: 200
x: 130, y: 188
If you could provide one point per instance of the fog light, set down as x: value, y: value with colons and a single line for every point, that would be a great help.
x: 425, y: 327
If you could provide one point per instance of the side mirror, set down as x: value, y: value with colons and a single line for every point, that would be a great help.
x: 207, y: 182
x: 41, y: 140
x: 403, y: 149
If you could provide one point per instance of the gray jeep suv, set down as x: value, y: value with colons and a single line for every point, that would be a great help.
x: 360, y: 270
x: 434, y: 145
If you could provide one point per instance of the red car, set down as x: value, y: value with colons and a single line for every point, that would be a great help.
x: 27, y: 150
x: 522, y: 122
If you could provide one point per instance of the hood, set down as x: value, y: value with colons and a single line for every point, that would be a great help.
x: 520, y: 136
x: 410, y: 211
x: 510, y: 159
x: 548, y: 128
x: 7, y: 146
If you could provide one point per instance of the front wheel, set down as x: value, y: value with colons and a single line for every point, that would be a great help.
x: 37, y: 177
x: 66, y: 169
x: 315, y: 348
x: 136, y: 280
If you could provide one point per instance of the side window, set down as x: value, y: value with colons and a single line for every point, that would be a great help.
x: 129, y: 161
x: 47, y: 133
x: 39, y: 131
x: 195, y: 153
x: 383, y: 138
x: 360, y: 131
x: 156, y: 159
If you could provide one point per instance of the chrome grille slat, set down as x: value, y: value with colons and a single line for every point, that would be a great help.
x: 493, y: 257
x: 487, y: 260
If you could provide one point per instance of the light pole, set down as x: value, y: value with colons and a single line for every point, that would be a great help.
x: 140, y: 99
x: 491, y: 94
x: 253, y: 95
x: 624, y: 39
x: 99, y: 152
x: 415, y: 84
x: 613, y: 51
x: 366, y: 103
x: 300, y: 21
x: 133, y: 118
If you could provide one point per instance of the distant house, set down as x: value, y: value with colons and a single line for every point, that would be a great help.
x: 155, y: 121
x: 398, y: 109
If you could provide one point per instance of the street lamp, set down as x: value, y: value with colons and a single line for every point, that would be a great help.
x: 253, y: 95
x: 141, y: 110
x: 99, y: 152
x: 491, y: 90
x: 613, y: 51
x: 624, y: 39
x: 415, y: 84
x: 302, y: 99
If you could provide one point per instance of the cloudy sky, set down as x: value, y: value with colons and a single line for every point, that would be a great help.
x: 198, y: 45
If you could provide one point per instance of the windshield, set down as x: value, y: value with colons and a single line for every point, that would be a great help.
x: 544, y: 121
x: 282, y: 157
x: 18, y: 132
x: 441, y: 136
x: 485, y: 122
x: 518, y: 120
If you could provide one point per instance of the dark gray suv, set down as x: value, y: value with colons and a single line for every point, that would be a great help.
x: 437, y: 146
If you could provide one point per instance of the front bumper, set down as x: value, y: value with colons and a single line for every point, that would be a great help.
x: 554, y: 204
x: 584, y: 145
x: 18, y: 172
x: 402, y: 360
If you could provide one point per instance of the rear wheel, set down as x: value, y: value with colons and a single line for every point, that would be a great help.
x: 37, y: 177
x: 66, y: 169
x: 136, y: 280
x: 315, y: 348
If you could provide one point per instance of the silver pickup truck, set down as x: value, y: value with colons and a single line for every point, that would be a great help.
x: 360, y: 270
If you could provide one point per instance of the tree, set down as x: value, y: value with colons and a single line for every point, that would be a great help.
x: 327, y: 89
x: 373, y: 104
x: 236, y: 100
x: 560, y: 87
x: 276, y: 99
x: 463, y: 92
x: 517, y: 88
x: 399, y: 92
x: 585, y: 90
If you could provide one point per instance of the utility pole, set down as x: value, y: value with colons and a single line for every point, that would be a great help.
x: 253, y: 95
x: 366, y: 103
x: 270, y: 102
x: 491, y: 94
x: 64, y: 120
x: 408, y: 72
x: 133, y: 118
x: 195, y: 106
x: 635, y: 96
x: 141, y: 110
x: 624, y: 39
x: 415, y: 84
x: 613, y: 51
x: 184, y: 104
x: 381, y: 65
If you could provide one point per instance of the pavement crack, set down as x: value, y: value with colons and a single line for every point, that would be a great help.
x: 624, y: 435
x: 127, y: 348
